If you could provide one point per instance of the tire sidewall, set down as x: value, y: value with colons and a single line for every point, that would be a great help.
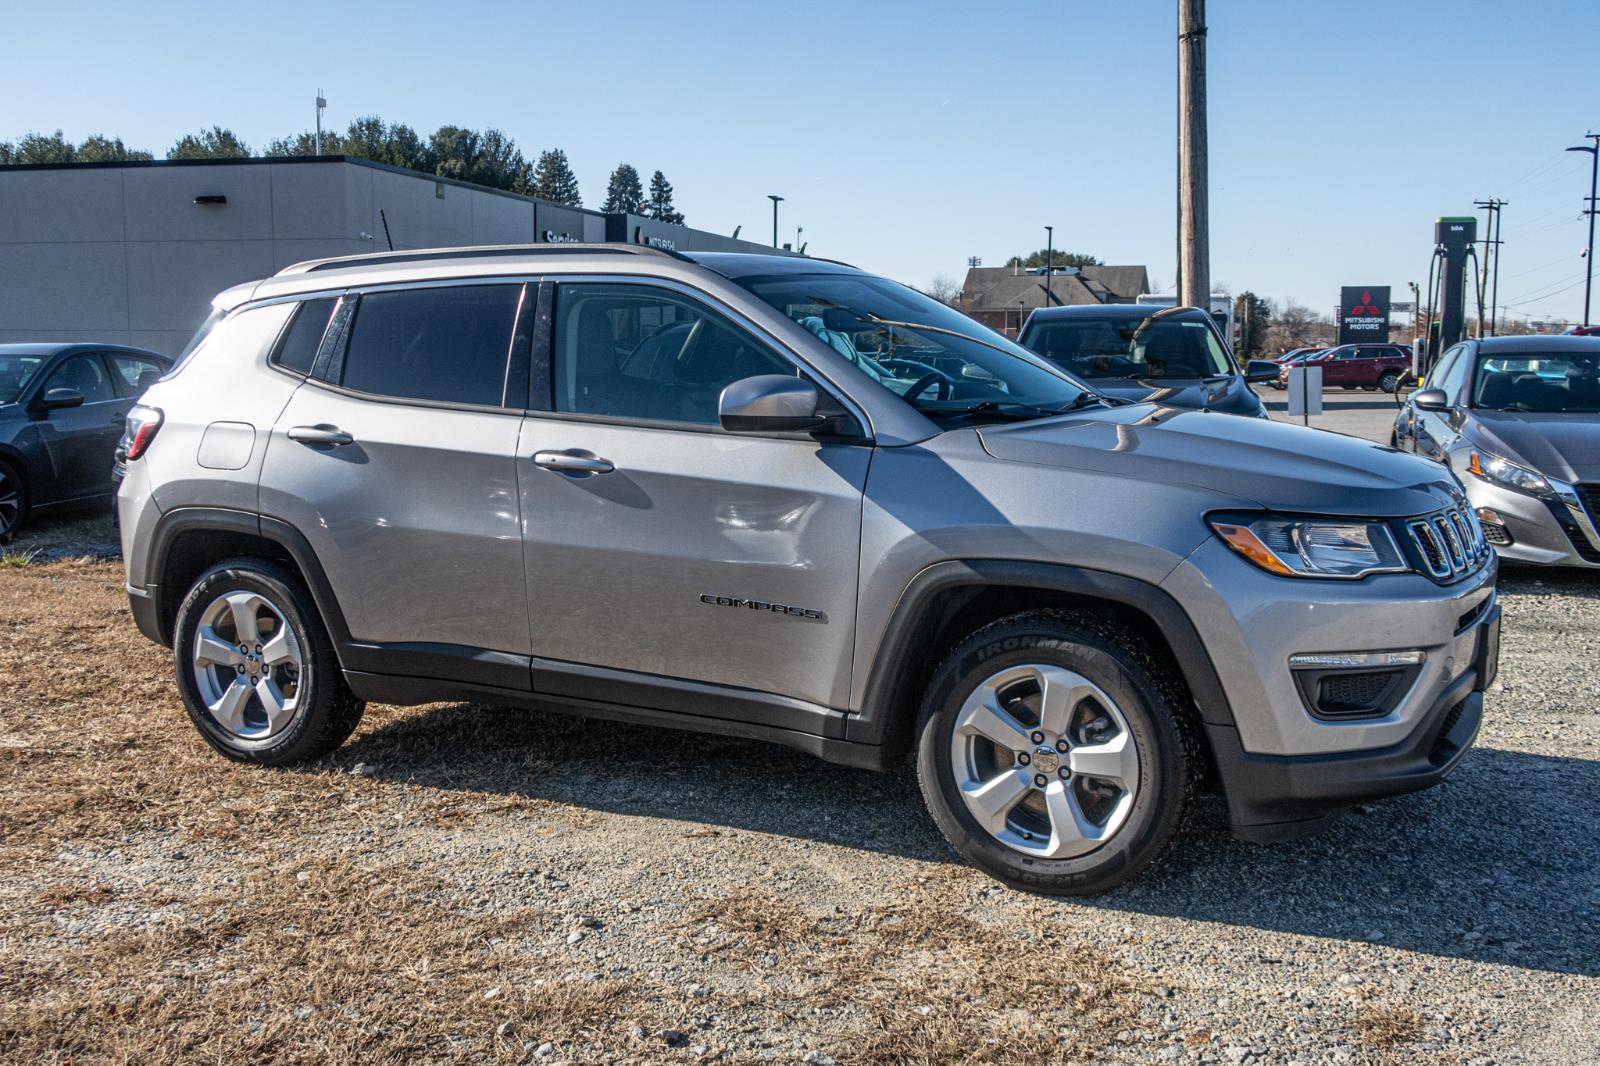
x: 23, y: 500
x: 1149, y: 824
x: 286, y: 596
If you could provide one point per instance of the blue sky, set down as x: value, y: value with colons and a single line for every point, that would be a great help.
x: 908, y: 136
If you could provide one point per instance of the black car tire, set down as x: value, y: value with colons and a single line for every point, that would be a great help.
x: 1124, y: 667
x: 14, y: 513
x: 327, y: 712
x: 1390, y: 381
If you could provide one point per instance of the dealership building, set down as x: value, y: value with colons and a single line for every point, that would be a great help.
x: 132, y: 253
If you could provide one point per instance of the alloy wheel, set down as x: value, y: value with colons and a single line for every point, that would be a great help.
x: 247, y: 665
x: 10, y: 503
x: 1045, y: 761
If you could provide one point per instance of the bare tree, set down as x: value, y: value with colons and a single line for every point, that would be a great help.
x: 1297, y: 327
x: 945, y: 289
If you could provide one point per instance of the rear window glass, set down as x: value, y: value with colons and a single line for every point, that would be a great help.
x: 298, y: 348
x: 448, y: 345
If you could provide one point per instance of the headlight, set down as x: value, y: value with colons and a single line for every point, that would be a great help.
x: 1313, y: 547
x: 1491, y: 467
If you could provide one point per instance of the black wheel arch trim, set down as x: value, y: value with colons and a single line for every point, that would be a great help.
x: 884, y: 706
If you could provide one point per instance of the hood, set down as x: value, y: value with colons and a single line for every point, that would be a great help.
x: 1279, y: 466
x: 1565, y: 446
x: 1229, y: 395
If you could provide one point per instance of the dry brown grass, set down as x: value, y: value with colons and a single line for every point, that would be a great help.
x: 301, y: 938
x: 1388, y: 1025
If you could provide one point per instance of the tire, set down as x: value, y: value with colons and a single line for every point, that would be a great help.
x: 1390, y: 381
x: 956, y: 759
x: 316, y: 709
x: 1348, y: 388
x: 13, y: 501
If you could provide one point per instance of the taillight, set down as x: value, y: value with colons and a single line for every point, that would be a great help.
x: 142, y: 425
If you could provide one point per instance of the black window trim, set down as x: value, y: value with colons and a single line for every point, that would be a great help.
x: 329, y: 365
x: 546, y: 352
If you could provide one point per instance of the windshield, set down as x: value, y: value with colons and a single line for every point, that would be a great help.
x: 1568, y: 382
x: 1168, y: 344
x: 933, y: 356
x: 15, y: 373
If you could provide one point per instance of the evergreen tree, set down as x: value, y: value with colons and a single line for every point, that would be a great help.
x: 305, y: 144
x: 659, y: 206
x: 624, y: 193
x: 1252, y: 317
x: 98, y: 148
x: 553, y: 179
x: 1060, y: 259
x: 39, y: 148
x: 214, y: 143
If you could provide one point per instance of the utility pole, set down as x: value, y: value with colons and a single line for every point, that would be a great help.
x: 1594, y: 175
x: 775, y: 200
x: 1491, y: 249
x: 1049, y: 265
x: 1193, y: 222
x: 322, y: 104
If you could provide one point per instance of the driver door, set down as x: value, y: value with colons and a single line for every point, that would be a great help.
x: 661, y: 549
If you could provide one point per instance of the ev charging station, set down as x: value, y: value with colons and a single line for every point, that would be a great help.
x: 1453, y: 237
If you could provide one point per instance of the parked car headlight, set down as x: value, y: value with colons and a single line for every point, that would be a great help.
x: 1493, y: 468
x: 1312, y: 547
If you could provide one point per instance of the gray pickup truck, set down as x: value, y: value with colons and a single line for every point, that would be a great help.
x: 782, y: 498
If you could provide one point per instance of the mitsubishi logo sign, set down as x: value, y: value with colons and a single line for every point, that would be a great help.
x: 1363, y: 313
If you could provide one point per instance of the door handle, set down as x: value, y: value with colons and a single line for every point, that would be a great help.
x: 567, y: 463
x: 332, y: 436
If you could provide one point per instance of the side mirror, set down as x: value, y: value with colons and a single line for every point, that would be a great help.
x: 769, y: 403
x: 1258, y: 370
x: 1431, y: 400
x: 59, y: 399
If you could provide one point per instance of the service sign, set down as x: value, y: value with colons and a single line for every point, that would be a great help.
x: 1363, y: 313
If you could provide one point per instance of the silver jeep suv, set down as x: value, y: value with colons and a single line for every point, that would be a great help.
x: 782, y: 498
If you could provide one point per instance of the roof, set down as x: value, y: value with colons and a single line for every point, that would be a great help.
x: 998, y: 288
x: 48, y: 348
x: 1127, y: 282
x: 1561, y: 343
x: 1113, y: 311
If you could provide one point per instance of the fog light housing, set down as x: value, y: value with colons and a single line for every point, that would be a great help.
x: 1350, y: 686
x: 1494, y: 527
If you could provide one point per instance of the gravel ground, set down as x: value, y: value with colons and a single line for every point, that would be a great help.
x: 470, y: 883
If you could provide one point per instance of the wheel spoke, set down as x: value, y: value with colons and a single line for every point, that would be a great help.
x: 1070, y: 831
x: 245, y: 628
x: 982, y: 716
x: 229, y: 709
x: 991, y: 800
x: 272, y: 702
x: 211, y: 650
x: 1062, y: 691
x: 281, y: 649
x: 1114, y: 760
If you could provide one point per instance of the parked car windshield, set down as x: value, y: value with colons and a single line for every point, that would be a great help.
x: 940, y: 360
x: 1537, y: 383
x: 1176, y: 343
x: 16, y: 371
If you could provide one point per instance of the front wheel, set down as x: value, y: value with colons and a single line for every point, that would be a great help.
x: 1048, y: 755
x: 13, y: 502
x: 256, y: 667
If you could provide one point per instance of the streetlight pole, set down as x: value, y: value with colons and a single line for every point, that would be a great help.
x: 775, y: 200
x: 1049, y: 267
x: 1594, y: 177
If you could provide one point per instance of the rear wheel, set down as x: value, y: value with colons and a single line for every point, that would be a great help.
x: 1389, y: 381
x: 13, y: 501
x: 1048, y: 755
x: 256, y: 668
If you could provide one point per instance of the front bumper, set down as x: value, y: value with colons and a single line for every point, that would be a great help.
x: 1555, y: 532
x: 1278, y: 797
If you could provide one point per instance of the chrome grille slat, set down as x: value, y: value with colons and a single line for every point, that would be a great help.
x: 1451, y: 542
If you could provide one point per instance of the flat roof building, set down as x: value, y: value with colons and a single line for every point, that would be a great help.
x: 132, y: 253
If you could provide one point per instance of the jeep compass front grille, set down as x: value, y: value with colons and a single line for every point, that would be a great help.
x: 1451, y: 543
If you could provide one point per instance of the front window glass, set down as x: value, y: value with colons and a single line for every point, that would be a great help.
x: 16, y: 371
x: 931, y: 355
x: 1168, y: 344
x: 85, y: 374
x: 1542, y: 382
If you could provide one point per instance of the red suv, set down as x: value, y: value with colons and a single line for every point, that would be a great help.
x: 1361, y: 366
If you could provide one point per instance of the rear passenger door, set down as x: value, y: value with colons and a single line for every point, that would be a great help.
x: 683, y: 553
x: 396, y: 460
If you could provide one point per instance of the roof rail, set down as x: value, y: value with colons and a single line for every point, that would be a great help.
x: 423, y: 255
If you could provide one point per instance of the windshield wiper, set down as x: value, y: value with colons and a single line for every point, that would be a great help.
x: 1020, y: 409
